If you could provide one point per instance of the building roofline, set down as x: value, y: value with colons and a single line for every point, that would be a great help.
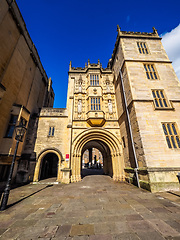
x: 20, y: 23
x: 129, y: 34
x: 89, y: 66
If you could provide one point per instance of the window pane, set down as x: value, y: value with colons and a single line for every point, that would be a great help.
x: 53, y: 131
x: 152, y: 68
x: 168, y: 142
x: 165, y: 130
x: 155, y: 75
x: 151, y: 75
x: 147, y: 75
x: 169, y: 129
x: 174, y: 129
x: 162, y: 95
x: 13, y: 119
x: 10, y: 131
x: 145, y: 68
x: 160, y: 103
x: 154, y: 95
x: 149, y: 69
x: 157, y: 94
x: 173, y: 142
x: 165, y: 104
x: 49, y: 131
x: 157, y: 104
x: 178, y: 142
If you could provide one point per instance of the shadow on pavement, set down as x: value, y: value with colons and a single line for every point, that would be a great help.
x: 22, y: 199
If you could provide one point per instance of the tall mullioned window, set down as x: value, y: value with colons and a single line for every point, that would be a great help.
x: 160, y: 99
x: 142, y: 48
x: 150, y: 71
x: 172, y: 137
x: 95, y: 104
x: 94, y: 80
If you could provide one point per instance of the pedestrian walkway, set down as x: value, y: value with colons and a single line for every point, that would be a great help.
x: 97, y: 208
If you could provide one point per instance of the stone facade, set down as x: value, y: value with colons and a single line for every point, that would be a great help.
x: 128, y: 111
x: 158, y: 163
x: 142, y: 149
x: 24, y: 90
x: 90, y: 120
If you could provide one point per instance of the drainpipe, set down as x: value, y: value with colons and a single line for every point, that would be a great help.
x: 130, y: 130
x: 72, y: 115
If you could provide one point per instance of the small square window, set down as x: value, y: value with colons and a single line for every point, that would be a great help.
x: 95, y: 104
x: 150, y: 71
x: 142, y: 48
x: 94, y: 80
x: 160, y: 100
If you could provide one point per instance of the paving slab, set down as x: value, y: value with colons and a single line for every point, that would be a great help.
x: 95, y: 208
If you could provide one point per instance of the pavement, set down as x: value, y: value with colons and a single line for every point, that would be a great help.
x: 97, y: 208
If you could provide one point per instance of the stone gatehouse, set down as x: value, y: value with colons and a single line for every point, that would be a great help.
x: 129, y: 111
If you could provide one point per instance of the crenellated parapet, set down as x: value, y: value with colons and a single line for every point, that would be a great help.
x: 137, y: 34
x: 89, y: 66
x: 131, y: 35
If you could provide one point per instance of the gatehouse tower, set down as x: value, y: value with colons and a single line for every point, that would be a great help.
x: 129, y: 111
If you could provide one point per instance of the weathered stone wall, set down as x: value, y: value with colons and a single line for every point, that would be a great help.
x: 23, y: 81
x: 158, y: 164
x: 56, y: 118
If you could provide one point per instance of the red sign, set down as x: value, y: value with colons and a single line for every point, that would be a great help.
x: 67, y: 156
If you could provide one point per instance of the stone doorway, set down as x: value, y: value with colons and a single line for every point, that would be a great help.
x: 49, y: 166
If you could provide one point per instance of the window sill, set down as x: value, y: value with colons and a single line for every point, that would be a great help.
x: 167, y: 108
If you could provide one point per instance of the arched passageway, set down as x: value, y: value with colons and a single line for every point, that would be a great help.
x: 107, y: 143
x: 49, y: 166
x: 99, y: 159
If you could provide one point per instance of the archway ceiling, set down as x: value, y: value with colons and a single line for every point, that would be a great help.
x: 102, y: 147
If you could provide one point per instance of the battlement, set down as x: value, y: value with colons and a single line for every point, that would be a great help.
x: 136, y: 34
x: 87, y: 67
x: 129, y: 34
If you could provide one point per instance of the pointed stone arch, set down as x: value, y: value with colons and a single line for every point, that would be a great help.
x: 108, y: 139
x: 39, y: 163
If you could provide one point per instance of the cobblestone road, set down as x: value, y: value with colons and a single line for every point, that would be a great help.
x: 95, y: 209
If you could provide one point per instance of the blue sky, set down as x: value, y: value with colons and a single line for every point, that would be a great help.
x: 78, y: 30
